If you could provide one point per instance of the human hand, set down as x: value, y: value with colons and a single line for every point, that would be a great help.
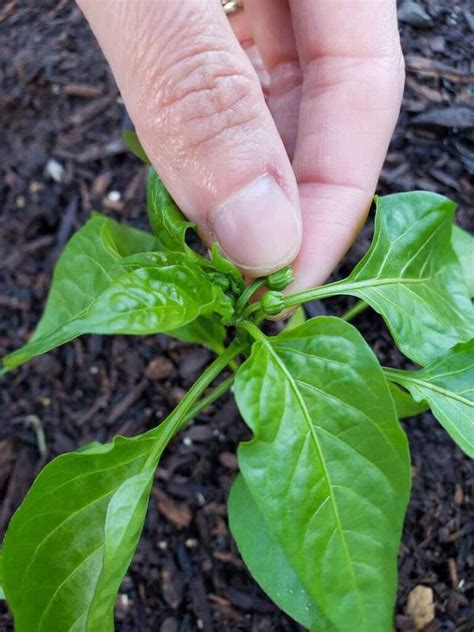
x: 269, y: 180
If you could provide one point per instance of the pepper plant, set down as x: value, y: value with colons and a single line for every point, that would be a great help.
x: 318, y: 506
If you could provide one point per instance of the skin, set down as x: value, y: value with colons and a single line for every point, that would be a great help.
x: 269, y: 129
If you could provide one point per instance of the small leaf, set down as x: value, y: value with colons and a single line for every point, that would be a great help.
x: 87, y: 266
x: 132, y: 141
x: 328, y: 466
x: 166, y: 220
x: 267, y: 562
x: 205, y: 330
x: 411, y: 276
x: 220, y: 264
x: 463, y: 244
x: 69, y: 545
x: 405, y: 404
x: 143, y: 301
x: 447, y: 384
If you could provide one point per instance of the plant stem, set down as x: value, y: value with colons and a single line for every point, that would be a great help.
x: 345, y: 286
x: 253, y: 330
x: 354, y: 311
x: 247, y: 294
x: 180, y: 415
x: 209, y: 399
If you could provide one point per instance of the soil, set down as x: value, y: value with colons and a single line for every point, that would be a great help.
x: 60, y: 156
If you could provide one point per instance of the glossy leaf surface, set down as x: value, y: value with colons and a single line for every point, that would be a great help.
x: 88, y: 265
x: 328, y: 466
x: 266, y: 560
x: 411, y: 276
x: 463, y: 244
x: 143, y: 301
x: 448, y: 386
x: 69, y: 545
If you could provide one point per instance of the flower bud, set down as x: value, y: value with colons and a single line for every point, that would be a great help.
x: 272, y: 303
x: 280, y: 279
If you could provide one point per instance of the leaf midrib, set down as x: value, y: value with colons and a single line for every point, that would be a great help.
x: 331, y: 496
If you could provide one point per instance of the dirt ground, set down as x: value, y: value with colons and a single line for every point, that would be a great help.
x: 60, y: 157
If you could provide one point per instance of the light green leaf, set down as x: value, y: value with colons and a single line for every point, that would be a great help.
x: 132, y: 141
x: 69, y: 545
x: 447, y: 384
x: 405, y: 404
x: 143, y: 301
x: 328, y: 466
x: 296, y: 319
x: 87, y: 266
x: 166, y: 220
x: 220, y: 264
x: 463, y: 244
x: 267, y: 562
x: 411, y: 276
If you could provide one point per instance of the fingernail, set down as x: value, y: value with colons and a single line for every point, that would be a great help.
x: 258, y: 227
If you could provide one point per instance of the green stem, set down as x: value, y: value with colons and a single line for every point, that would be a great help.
x: 354, y: 311
x: 253, y: 330
x: 177, y: 419
x: 341, y: 287
x: 395, y: 375
x: 209, y: 399
x: 247, y: 294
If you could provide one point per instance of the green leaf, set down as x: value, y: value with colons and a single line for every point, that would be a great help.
x: 132, y: 141
x: 405, y: 404
x: 411, y: 276
x: 69, y: 545
x: 328, y: 466
x: 205, y: 330
x: 2, y: 592
x: 447, y: 384
x: 463, y: 244
x: 220, y: 264
x: 143, y: 301
x: 166, y: 220
x: 296, y: 319
x: 87, y: 266
x: 266, y: 560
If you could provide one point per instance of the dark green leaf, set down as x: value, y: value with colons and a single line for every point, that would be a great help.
x: 87, y: 266
x: 405, y: 404
x: 130, y: 138
x: 463, y: 244
x: 448, y: 386
x: 328, y: 466
x: 411, y: 275
x: 205, y: 330
x: 267, y: 562
x: 69, y: 545
x: 166, y: 220
x: 143, y: 301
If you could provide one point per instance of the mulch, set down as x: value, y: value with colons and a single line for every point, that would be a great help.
x: 61, y: 156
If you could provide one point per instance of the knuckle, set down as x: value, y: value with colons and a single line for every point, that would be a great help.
x: 200, y: 95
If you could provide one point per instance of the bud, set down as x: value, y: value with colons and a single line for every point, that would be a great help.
x: 272, y: 303
x: 280, y: 279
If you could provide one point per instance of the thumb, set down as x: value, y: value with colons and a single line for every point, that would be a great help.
x: 201, y: 116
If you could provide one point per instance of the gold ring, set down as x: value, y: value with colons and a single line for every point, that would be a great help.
x: 232, y: 6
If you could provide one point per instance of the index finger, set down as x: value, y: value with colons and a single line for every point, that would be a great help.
x: 352, y: 88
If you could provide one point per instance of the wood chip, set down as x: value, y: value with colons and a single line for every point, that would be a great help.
x: 177, y: 513
x: 420, y: 606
